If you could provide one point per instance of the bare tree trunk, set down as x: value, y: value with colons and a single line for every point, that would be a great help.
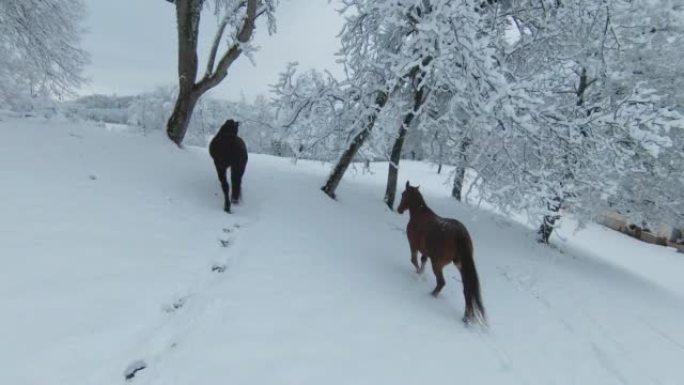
x: 546, y: 228
x: 549, y: 221
x: 395, y: 155
x: 354, y: 146
x: 180, y: 118
x: 188, y: 14
x: 440, y: 154
x: 457, y: 188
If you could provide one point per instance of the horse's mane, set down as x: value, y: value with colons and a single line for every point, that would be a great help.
x: 421, y: 202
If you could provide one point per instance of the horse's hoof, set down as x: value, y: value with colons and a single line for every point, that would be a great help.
x: 227, y: 209
x: 434, y: 294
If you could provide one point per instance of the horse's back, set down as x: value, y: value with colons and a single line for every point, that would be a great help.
x: 457, y: 227
x: 228, y: 150
x: 444, y: 236
x: 447, y: 228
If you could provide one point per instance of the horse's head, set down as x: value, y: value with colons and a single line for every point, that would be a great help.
x: 411, y: 197
x: 230, y: 127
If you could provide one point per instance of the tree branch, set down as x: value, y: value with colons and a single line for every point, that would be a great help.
x: 215, y: 45
x: 210, y: 80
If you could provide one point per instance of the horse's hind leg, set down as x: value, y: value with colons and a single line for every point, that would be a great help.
x: 439, y: 275
x: 236, y: 178
x: 423, y: 260
x: 221, y: 171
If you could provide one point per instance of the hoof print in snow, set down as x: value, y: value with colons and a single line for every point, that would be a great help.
x: 177, y: 304
x: 218, y: 268
x: 227, y: 230
x: 237, y: 225
x: 133, y: 368
x: 225, y: 242
x: 92, y: 177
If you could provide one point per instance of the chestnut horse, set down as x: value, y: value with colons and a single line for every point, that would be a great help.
x: 443, y: 240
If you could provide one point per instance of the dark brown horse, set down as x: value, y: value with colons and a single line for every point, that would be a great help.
x: 229, y: 151
x: 443, y: 240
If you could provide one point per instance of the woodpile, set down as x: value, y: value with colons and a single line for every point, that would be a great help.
x: 663, y: 235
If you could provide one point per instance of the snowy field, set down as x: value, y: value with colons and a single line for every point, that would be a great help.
x: 116, y: 255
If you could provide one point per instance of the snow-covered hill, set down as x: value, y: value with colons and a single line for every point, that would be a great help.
x: 115, y: 254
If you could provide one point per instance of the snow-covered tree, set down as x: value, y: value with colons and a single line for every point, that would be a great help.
x: 40, y: 53
x: 396, y: 53
x: 594, y: 117
x: 237, y: 19
x: 148, y: 110
x: 537, y: 97
x: 313, y: 113
x: 651, y: 36
x: 649, y: 192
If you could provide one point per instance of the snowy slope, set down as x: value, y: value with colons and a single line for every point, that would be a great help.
x: 116, y: 254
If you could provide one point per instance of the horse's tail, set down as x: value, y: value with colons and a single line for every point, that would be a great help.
x: 471, y: 283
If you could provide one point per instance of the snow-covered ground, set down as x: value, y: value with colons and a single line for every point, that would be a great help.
x: 116, y: 255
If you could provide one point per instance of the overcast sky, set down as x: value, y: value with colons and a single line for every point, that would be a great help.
x: 133, y: 46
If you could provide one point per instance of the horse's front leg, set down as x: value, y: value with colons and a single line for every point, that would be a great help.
x: 414, y: 243
x: 414, y: 260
